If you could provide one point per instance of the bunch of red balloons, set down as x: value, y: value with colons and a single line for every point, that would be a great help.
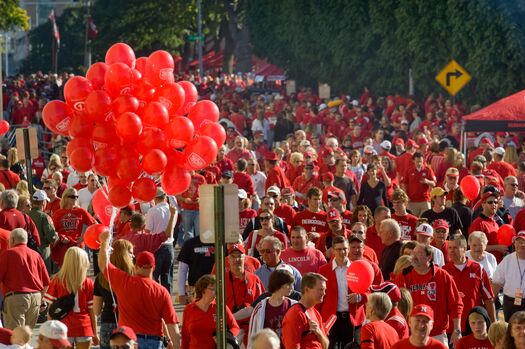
x: 128, y: 119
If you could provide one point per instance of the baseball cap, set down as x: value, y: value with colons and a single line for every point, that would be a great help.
x: 145, y: 258
x: 411, y: 144
x: 332, y: 215
x: 500, y: 151
x: 487, y: 140
x: 287, y: 191
x: 40, y: 195
x: 160, y: 193
x: 452, y: 172
x: 282, y: 266
x: 425, y: 229
x: 390, y: 289
x: 227, y: 174
x: 440, y: 224
x: 322, y: 107
x: 328, y: 177
x: 355, y: 237
x: 242, y: 194
x: 305, y: 143
x: 520, y: 235
x: 236, y: 247
x: 274, y: 190
x: 126, y: 331
x: 369, y: 149
x: 56, y: 332
x: 386, y: 145
x: 423, y: 310
x: 437, y: 191
x: 258, y: 133
x: 271, y: 156
x: 399, y: 141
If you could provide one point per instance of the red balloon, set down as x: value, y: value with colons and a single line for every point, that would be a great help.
x: 98, y: 106
x: 119, y: 196
x: 57, y: 117
x: 140, y: 65
x: 128, y: 167
x: 213, y: 130
x: 101, y: 205
x: 80, y: 127
x: 359, y: 276
x: 113, y: 181
x: 121, y: 53
x: 105, y: 133
x: 155, y: 114
x: 179, y: 132
x: 200, y: 152
x: 105, y: 160
x: 202, y: 112
x: 154, y: 161
x: 82, y: 159
x: 79, y: 142
x: 506, y: 234
x: 4, y: 127
x: 151, y: 138
x: 143, y: 90
x: 172, y: 96
x: 129, y: 126
x: 470, y: 187
x: 159, y: 68
x: 190, y: 96
x: 96, y: 74
x: 92, y: 234
x: 144, y: 189
x: 76, y: 90
x: 175, y: 180
x: 136, y: 75
x: 118, y: 79
x: 125, y: 103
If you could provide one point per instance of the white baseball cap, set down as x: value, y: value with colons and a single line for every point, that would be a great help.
x: 500, y: 151
x: 386, y: 145
x: 425, y: 229
x: 56, y: 332
x: 40, y: 195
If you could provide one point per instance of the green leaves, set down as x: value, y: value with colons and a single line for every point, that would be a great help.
x: 12, y: 16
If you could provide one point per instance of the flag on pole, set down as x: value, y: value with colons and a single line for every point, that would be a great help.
x: 92, y: 28
x: 56, y: 33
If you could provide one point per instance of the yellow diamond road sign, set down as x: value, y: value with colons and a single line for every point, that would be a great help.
x: 453, y: 77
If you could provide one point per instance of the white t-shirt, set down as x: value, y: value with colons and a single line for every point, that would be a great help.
x: 85, y: 197
x: 508, y: 274
x: 488, y: 263
x: 157, y: 219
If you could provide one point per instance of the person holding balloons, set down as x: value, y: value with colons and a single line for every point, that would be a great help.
x: 346, y: 304
x: 69, y: 222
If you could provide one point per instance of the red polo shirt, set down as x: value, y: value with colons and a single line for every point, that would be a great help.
x: 417, y: 191
x: 22, y: 270
x: 142, y: 309
x: 296, y: 327
x: 243, y: 292
x: 244, y: 181
x: 488, y: 226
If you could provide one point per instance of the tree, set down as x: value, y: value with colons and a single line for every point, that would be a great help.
x: 12, y: 16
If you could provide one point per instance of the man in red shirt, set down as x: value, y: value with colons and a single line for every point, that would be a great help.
x: 421, y: 323
x: 394, y: 318
x: 428, y: 284
x: 407, y: 222
x: 11, y: 218
x: 304, y: 258
x: 282, y: 210
x: 148, y: 306
x: 239, y: 151
x: 313, y: 219
x: 24, y: 277
x: 7, y: 177
x: 417, y: 183
x: 372, y: 233
x: 346, y: 305
x: 54, y: 201
x: 404, y: 161
x: 243, y: 179
x: 499, y: 165
x: 377, y: 333
x: 304, y: 182
x: 486, y: 224
x: 471, y: 279
x: 303, y: 326
x: 335, y: 228
x: 274, y: 172
x: 336, y: 199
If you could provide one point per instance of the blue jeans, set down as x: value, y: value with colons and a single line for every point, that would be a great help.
x: 105, y: 332
x: 163, y: 272
x: 190, y: 223
x: 149, y: 343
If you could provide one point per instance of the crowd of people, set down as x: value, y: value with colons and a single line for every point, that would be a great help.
x: 322, y: 184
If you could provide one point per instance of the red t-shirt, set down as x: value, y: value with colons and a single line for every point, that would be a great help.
x: 77, y: 321
x: 286, y: 212
x: 469, y: 342
x: 417, y: 191
x: 398, y: 322
x: 9, y: 179
x: 245, y: 216
x: 408, y: 224
x: 69, y: 222
x: 142, y: 309
x: 431, y: 344
x: 144, y: 241
x: 11, y: 218
x: 244, y: 181
x: 302, y: 185
x: 22, y: 270
x: 378, y: 335
x: 258, y: 238
x: 52, y: 207
x: 296, y: 328
x: 490, y: 228
x: 199, y: 326
x: 4, y: 239
x: 312, y: 221
x: 306, y: 261
x: 374, y: 241
x: 276, y: 177
x: 192, y: 193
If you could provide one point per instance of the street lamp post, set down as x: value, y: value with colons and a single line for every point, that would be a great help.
x: 200, y: 41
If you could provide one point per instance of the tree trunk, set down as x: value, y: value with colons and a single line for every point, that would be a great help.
x: 239, y: 34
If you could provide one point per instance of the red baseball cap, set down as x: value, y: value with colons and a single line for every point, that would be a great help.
x: 328, y: 177
x: 487, y: 140
x: 440, y: 224
x: 126, y: 331
x: 271, y: 156
x: 236, y: 247
x: 411, y: 144
x: 144, y: 259
x: 399, y: 141
x: 287, y: 191
x: 423, y: 310
x: 333, y: 215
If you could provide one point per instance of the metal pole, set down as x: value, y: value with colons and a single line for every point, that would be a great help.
x: 219, y: 262
x: 87, y: 43
x: 199, y: 41
x: 410, y: 83
x: 27, y: 154
x: 6, y: 54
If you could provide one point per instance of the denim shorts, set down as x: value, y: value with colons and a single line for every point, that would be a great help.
x: 74, y: 340
x: 105, y: 332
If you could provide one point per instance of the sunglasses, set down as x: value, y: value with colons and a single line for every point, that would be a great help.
x: 73, y: 196
x: 491, y: 202
x: 265, y: 218
x: 513, y: 185
x: 268, y: 250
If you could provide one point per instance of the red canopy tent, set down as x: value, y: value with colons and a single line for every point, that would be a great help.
x: 507, y: 114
